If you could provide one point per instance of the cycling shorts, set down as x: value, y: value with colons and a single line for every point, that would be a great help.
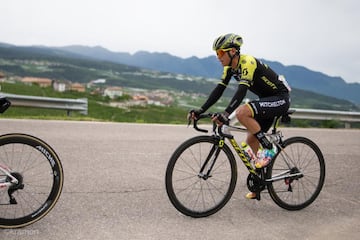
x: 266, y: 109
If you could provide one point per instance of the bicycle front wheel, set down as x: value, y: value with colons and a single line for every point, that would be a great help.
x: 39, y: 172
x: 201, y: 176
x: 297, y: 173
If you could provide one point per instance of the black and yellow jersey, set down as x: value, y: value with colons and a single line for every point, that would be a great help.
x: 257, y: 76
x: 251, y: 74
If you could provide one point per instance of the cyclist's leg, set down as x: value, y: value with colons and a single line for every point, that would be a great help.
x: 245, y: 115
x: 254, y: 123
x: 265, y: 125
x: 262, y: 112
x: 266, y: 109
x: 251, y: 140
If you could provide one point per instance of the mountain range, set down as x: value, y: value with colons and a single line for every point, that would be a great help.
x: 297, y: 76
x: 300, y: 78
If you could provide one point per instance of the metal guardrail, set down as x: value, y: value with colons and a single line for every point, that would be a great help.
x: 316, y: 114
x: 81, y: 105
x: 67, y: 104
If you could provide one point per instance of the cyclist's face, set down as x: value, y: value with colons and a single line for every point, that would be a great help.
x: 223, y: 56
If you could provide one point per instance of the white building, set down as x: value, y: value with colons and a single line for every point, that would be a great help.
x: 113, y: 92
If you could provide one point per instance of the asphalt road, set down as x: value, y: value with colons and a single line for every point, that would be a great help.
x: 114, y: 188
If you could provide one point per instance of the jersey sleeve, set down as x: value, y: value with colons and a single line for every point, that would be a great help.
x: 237, y: 98
x: 248, y: 67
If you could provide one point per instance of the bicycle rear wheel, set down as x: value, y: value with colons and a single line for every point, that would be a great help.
x: 298, y: 174
x: 39, y: 171
x: 192, y: 188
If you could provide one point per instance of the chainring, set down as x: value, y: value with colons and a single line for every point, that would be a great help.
x: 254, y: 183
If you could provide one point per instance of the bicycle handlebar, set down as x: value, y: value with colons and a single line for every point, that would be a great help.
x: 208, y: 115
x: 201, y: 116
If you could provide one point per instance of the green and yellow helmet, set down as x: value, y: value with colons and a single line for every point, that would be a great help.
x: 227, y: 41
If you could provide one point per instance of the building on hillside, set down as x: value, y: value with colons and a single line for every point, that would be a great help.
x: 42, y: 82
x: 60, y: 86
x: 100, y: 81
x: 141, y: 98
x: 78, y: 87
x: 113, y: 92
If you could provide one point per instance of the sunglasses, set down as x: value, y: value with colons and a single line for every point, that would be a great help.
x: 221, y: 52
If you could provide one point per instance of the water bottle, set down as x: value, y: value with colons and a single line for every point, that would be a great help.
x: 248, y: 151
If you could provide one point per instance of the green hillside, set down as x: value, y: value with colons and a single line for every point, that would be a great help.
x: 98, y: 109
x: 61, y: 65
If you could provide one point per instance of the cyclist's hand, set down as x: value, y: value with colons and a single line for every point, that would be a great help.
x: 194, y: 114
x: 221, y: 118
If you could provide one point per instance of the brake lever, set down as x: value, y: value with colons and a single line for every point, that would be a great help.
x: 189, y: 121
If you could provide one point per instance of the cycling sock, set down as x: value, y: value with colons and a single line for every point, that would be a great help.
x: 263, y: 140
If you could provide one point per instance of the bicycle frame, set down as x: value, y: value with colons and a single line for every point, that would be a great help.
x: 276, y: 138
x: 202, y: 192
x: 4, y: 184
x: 240, y: 152
x: 224, y: 131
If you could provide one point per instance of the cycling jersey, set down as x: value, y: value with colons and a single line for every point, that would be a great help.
x: 252, y: 74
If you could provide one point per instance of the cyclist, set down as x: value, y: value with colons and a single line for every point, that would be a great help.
x: 257, y: 115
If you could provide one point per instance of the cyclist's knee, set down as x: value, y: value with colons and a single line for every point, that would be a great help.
x: 243, y: 112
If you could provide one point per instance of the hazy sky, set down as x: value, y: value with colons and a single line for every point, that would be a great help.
x: 322, y: 35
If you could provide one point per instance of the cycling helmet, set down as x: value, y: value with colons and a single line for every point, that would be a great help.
x: 227, y: 41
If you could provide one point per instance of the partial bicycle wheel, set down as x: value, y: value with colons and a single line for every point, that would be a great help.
x: 300, y: 170
x: 40, y: 177
x: 201, y: 176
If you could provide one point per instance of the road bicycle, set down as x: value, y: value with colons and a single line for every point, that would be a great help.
x: 31, y: 178
x: 201, y: 174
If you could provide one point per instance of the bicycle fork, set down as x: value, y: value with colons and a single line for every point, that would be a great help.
x: 210, y: 160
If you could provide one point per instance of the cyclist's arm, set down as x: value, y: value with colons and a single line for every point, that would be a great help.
x: 214, y: 97
x: 238, y: 97
x: 218, y: 90
x: 248, y: 66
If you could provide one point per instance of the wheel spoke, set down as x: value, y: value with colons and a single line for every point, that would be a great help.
x: 302, y: 156
x: 200, y: 194
x: 40, y: 181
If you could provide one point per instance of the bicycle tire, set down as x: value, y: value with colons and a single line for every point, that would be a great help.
x: 195, y: 196
x: 42, y: 175
x: 305, y: 158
